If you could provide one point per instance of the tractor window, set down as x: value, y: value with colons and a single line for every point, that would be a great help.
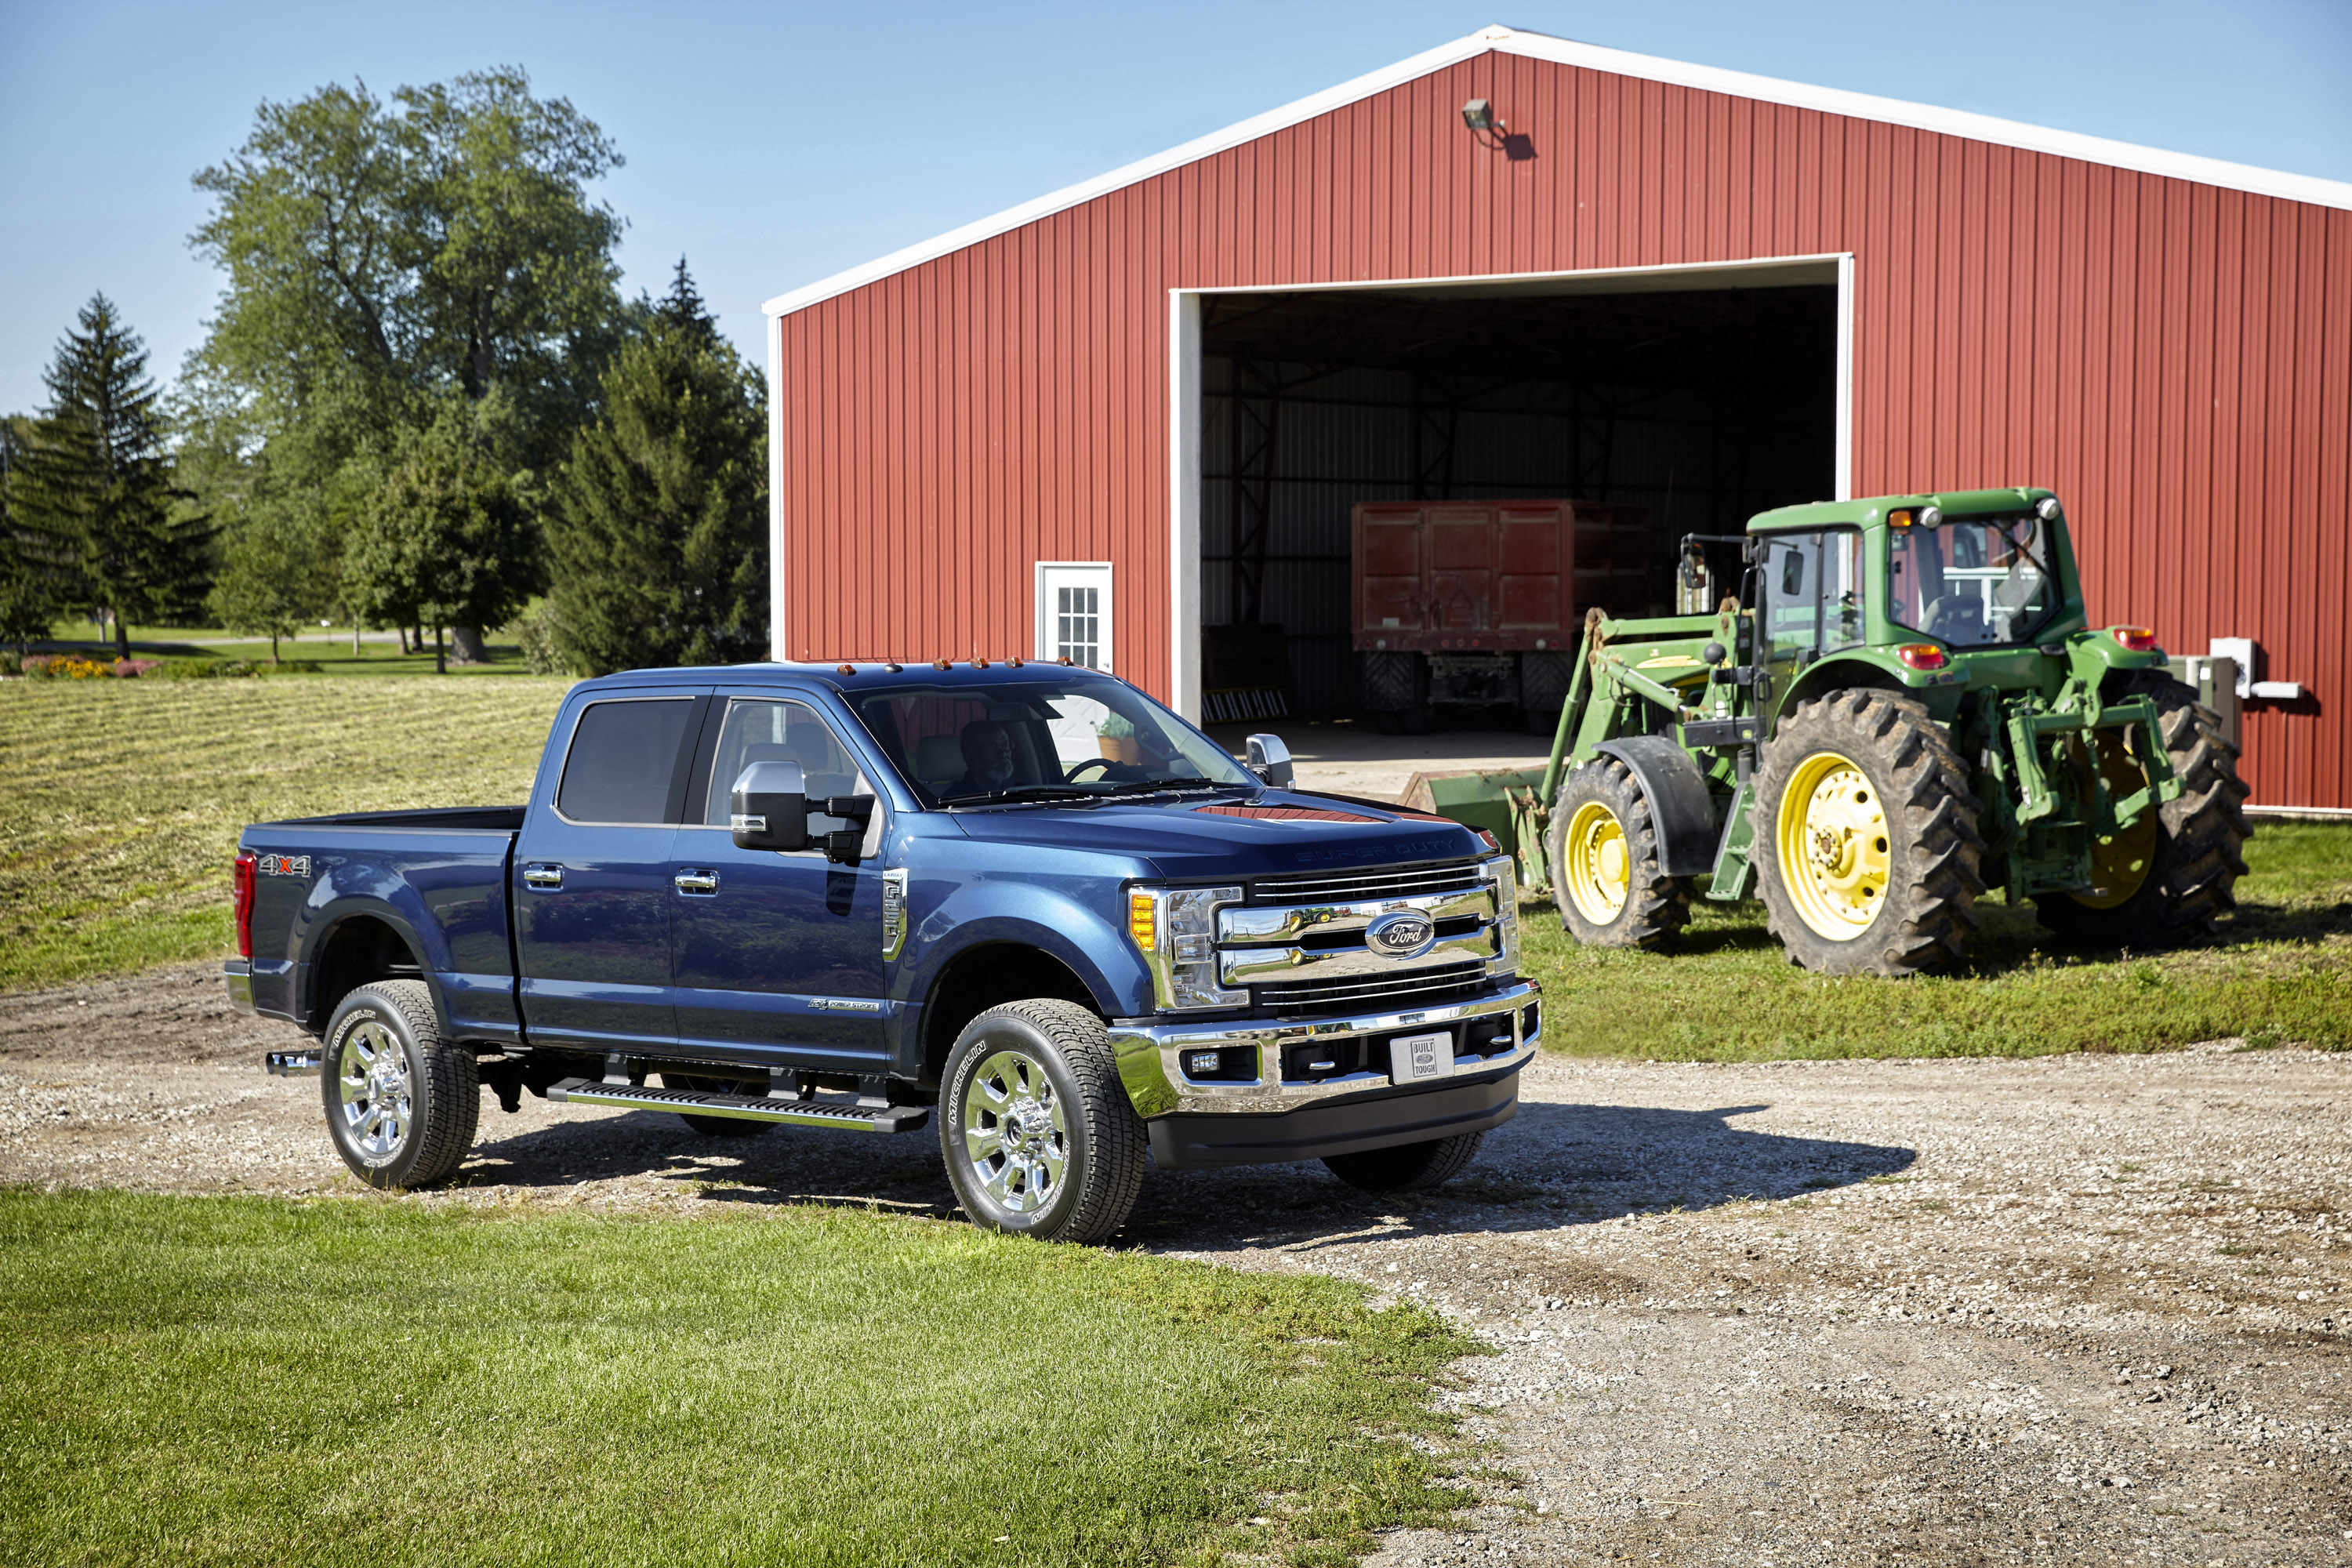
x: 1813, y: 591
x: 1977, y: 582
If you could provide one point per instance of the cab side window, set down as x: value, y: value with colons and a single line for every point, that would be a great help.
x: 623, y: 758
x: 1813, y: 591
x: 762, y: 729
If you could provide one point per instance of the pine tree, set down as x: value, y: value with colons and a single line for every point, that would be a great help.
x: 30, y: 580
x: 658, y: 541
x: 97, y: 479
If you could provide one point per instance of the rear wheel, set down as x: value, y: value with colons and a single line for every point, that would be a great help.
x: 1040, y: 1137
x: 1865, y: 838
x: 402, y: 1102
x: 2170, y: 874
x: 1607, y: 874
x: 1408, y: 1167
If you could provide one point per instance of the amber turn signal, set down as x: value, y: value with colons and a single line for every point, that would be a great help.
x: 1921, y: 656
x: 1143, y: 920
x: 2138, y: 639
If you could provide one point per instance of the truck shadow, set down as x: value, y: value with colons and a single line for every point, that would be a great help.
x: 1551, y: 1167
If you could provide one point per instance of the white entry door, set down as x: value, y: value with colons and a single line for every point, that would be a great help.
x: 1074, y: 612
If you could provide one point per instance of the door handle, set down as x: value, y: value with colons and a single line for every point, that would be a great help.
x: 542, y: 879
x: 696, y: 882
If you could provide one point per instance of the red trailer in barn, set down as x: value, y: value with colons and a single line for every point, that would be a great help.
x: 1475, y: 605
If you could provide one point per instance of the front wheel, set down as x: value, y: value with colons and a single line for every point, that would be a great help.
x: 1865, y: 838
x: 402, y: 1102
x: 1038, y: 1133
x: 2173, y: 873
x: 1407, y: 1167
x: 1607, y: 876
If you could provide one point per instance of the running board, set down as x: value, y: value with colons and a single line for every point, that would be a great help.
x: 748, y: 1107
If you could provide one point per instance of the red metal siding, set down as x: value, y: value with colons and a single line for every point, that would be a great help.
x: 2175, y: 359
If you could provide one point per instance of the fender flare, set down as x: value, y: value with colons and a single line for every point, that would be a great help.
x: 331, y: 917
x: 1680, y: 806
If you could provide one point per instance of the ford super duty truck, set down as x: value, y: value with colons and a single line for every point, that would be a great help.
x: 1021, y: 901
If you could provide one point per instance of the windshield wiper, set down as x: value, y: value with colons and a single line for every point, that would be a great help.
x: 1169, y: 786
x: 1022, y: 792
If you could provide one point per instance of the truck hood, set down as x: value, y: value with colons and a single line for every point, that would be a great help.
x: 1274, y: 832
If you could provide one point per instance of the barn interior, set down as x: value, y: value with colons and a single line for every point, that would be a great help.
x: 1699, y: 398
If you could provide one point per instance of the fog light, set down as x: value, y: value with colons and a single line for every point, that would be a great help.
x: 1921, y: 656
x: 1200, y: 1064
x: 2138, y: 639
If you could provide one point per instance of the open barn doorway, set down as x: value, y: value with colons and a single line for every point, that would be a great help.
x: 1671, y: 402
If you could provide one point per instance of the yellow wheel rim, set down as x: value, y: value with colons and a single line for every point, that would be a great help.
x: 1597, y: 868
x: 2120, y: 863
x: 1833, y: 846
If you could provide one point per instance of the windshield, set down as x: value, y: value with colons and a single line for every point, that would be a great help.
x: 1975, y: 582
x: 1078, y: 737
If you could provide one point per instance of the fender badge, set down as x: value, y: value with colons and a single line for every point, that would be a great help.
x: 283, y: 865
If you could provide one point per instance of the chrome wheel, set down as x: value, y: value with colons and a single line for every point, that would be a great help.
x: 1015, y: 1133
x: 378, y: 1095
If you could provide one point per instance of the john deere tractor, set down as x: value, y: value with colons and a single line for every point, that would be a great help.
x: 1903, y: 706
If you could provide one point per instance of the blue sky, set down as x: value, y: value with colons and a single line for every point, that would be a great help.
x: 775, y: 145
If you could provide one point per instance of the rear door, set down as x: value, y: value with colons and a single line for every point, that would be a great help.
x: 778, y: 956
x: 592, y: 893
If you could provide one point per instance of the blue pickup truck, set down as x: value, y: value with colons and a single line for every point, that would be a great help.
x: 1019, y: 900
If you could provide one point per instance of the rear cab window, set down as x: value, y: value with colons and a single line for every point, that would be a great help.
x: 624, y: 762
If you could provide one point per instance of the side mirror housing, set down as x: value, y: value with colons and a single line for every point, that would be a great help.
x: 1269, y: 758
x: 769, y: 809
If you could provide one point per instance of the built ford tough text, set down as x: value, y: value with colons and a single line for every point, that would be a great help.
x: 1021, y: 901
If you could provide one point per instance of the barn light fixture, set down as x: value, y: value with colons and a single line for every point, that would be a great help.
x: 1479, y: 115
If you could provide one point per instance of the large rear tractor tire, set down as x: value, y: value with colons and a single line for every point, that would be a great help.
x: 1608, y: 871
x: 1866, y: 847
x: 2171, y: 875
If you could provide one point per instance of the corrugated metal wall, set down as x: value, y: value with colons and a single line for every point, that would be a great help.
x: 2174, y: 359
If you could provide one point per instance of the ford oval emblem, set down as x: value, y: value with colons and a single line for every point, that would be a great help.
x: 1405, y: 934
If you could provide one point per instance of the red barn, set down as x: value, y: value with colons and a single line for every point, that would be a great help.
x: 1132, y: 412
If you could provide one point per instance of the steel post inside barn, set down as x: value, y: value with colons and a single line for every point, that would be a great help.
x: 1142, y: 409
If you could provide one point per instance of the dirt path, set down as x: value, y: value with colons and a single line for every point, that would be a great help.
x: 2076, y: 1310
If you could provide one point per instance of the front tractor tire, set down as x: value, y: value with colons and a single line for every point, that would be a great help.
x: 1866, y: 849
x: 2172, y: 874
x: 1039, y: 1135
x: 1608, y: 871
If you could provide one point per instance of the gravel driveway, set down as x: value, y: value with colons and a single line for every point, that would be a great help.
x: 2072, y: 1309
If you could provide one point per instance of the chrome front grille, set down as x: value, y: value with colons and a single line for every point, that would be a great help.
x: 1415, y: 985
x: 1355, y: 887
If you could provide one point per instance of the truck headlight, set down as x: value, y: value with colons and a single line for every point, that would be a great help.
x: 1175, y: 929
x: 1505, y: 881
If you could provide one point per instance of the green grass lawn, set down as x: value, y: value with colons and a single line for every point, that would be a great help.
x: 332, y: 654
x: 120, y: 803
x: 244, y: 1380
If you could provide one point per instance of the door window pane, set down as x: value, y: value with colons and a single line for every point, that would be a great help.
x: 1078, y: 626
x: 1813, y: 591
x: 623, y: 757
x: 758, y: 730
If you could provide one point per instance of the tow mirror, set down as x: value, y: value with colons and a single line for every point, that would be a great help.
x: 1269, y: 758
x: 770, y: 807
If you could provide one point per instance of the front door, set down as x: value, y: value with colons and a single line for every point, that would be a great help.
x: 592, y: 877
x: 778, y: 956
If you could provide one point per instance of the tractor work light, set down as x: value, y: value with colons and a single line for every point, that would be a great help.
x: 1931, y: 517
x: 1921, y: 656
x: 2046, y: 508
x: 2138, y: 639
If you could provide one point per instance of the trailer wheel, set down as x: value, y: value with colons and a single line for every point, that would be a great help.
x: 1865, y: 838
x: 1040, y: 1137
x: 1608, y: 875
x: 1407, y: 1167
x: 402, y: 1102
x: 2169, y: 876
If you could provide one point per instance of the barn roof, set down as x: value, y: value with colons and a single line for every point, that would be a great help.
x: 1618, y: 62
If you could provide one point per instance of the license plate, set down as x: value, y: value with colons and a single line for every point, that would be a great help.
x: 1415, y: 1058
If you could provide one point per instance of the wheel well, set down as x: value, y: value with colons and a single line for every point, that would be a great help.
x: 988, y: 976
x: 1845, y: 675
x: 358, y: 950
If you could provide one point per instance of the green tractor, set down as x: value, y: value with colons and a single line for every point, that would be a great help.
x: 1903, y: 706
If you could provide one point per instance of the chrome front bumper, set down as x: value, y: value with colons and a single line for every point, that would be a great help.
x: 1151, y: 1066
